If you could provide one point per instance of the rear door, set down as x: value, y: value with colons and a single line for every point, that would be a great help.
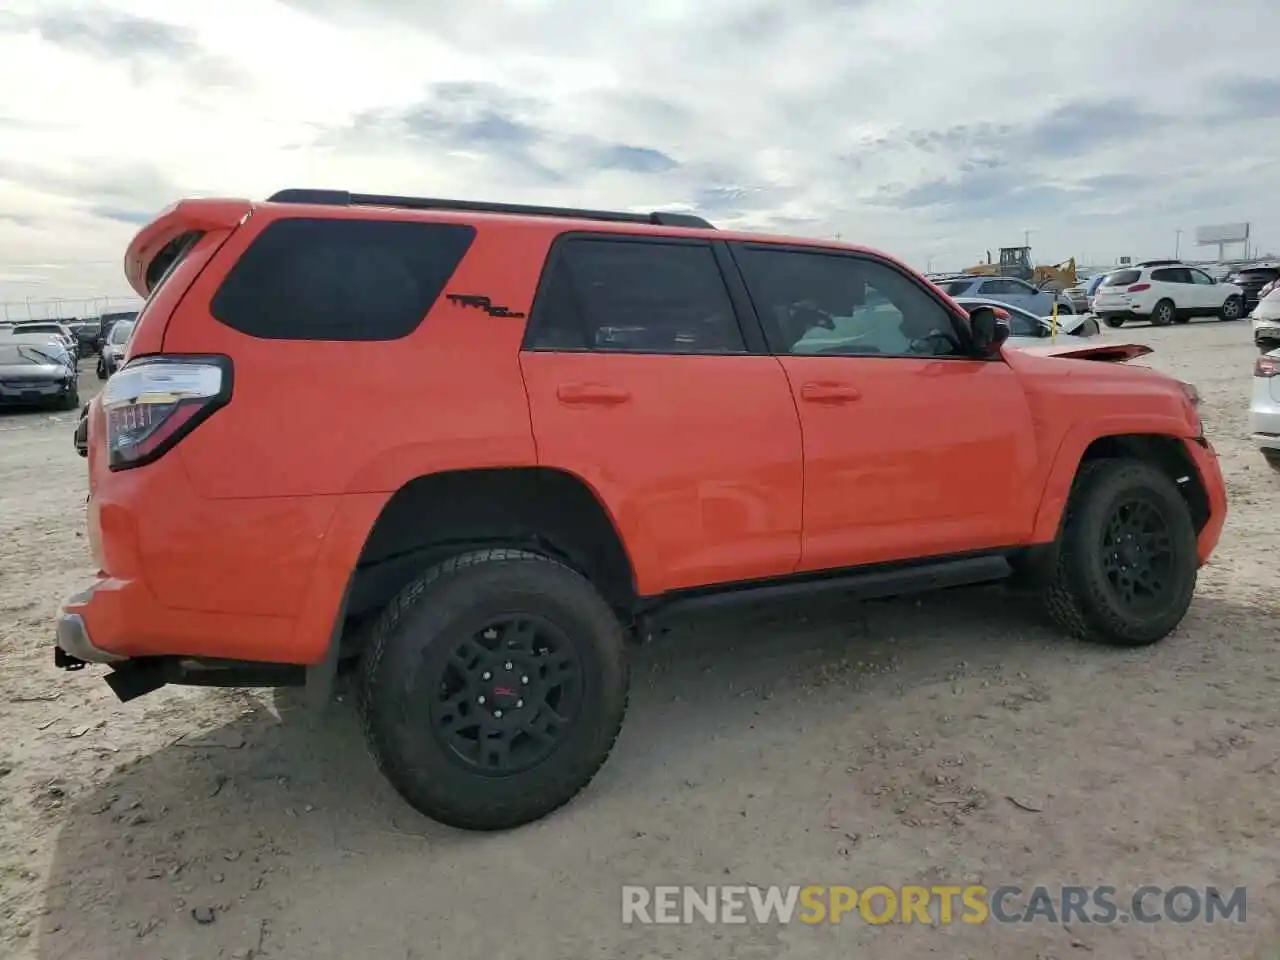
x: 1175, y: 283
x: 1209, y: 294
x: 642, y: 382
x: 911, y: 449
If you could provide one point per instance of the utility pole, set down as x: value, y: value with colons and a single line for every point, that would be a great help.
x: 1177, y: 242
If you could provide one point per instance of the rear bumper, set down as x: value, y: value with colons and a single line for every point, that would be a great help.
x: 1206, y: 461
x: 73, y: 637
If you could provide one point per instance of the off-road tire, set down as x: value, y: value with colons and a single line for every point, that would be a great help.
x: 1232, y: 309
x: 1079, y: 598
x: 1164, y: 313
x: 1113, y: 322
x: 431, y: 613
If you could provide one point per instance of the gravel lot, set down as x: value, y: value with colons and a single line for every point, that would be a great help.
x: 949, y: 739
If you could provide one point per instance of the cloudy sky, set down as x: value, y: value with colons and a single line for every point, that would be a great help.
x: 930, y: 128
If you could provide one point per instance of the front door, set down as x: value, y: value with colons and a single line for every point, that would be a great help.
x: 641, y: 384
x: 911, y: 449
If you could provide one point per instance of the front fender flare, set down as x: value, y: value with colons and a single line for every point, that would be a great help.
x: 1071, y: 451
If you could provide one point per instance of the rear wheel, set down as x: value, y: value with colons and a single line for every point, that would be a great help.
x: 1232, y: 309
x: 493, y: 689
x: 1113, y: 322
x: 1127, y: 559
x: 1164, y: 314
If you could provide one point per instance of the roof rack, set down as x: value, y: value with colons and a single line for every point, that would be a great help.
x: 344, y: 198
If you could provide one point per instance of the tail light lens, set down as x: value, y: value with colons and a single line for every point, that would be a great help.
x: 1266, y: 367
x: 1139, y: 287
x: 153, y: 402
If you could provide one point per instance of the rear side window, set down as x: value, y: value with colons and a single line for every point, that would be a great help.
x: 322, y: 279
x: 1171, y: 275
x: 1122, y: 278
x: 636, y: 297
x: 956, y: 288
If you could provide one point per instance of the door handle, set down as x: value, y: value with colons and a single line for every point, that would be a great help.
x: 830, y: 393
x: 592, y: 393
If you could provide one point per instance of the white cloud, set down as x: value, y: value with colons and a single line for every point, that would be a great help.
x: 932, y: 129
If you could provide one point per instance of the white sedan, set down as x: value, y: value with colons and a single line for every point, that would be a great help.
x: 1264, y: 408
x: 1028, y: 330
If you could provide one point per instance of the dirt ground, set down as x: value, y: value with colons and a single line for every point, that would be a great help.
x: 948, y: 739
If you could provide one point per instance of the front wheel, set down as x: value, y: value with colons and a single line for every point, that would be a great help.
x: 1232, y: 309
x: 1113, y: 322
x: 493, y: 689
x: 1164, y: 314
x: 102, y: 369
x: 1127, y: 560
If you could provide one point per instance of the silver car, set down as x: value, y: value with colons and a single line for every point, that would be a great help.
x: 35, y: 371
x: 113, y: 349
x: 1008, y: 291
x: 1264, y: 408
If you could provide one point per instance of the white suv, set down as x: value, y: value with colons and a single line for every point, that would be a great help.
x: 1165, y: 294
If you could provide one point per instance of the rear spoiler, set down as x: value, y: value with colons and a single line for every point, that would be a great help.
x: 1105, y: 352
x: 186, y: 217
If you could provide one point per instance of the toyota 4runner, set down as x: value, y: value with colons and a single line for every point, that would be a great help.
x: 466, y: 451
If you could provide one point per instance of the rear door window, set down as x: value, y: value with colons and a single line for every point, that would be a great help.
x: 330, y: 279
x: 635, y: 297
x: 1171, y: 275
x: 956, y: 288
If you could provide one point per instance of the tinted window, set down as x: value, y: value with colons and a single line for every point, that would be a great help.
x: 825, y: 304
x: 1023, y: 324
x: 317, y: 279
x: 638, y: 297
x: 993, y: 288
x: 1171, y: 275
x: 957, y: 288
x: 120, y: 333
x: 1122, y: 278
x: 1201, y: 278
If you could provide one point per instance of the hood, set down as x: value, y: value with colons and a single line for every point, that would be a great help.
x: 1105, y: 352
x: 32, y: 371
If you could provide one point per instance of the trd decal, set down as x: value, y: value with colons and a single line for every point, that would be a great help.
x: 483, y: 303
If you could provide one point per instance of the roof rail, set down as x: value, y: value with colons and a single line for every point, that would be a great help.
x: 344, y: 198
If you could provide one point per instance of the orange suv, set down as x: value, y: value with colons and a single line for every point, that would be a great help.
x: 467, y: 451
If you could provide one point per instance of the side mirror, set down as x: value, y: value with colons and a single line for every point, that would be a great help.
x: 990, y: 329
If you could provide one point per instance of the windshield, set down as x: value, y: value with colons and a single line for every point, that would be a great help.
x: 120, y: 333
x: 20, y: 353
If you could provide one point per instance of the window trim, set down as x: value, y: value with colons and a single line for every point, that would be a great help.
x: 960, y: 324
x: 752, y: 334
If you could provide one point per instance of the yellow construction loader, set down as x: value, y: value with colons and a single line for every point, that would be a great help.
x: 1016, y: 262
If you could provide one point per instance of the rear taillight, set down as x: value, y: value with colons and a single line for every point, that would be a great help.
x: 153, y: 402
x: 1139, y: 287
x: 1266, y: 367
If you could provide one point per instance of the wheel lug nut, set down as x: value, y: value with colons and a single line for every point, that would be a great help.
x: 524, y: 679
x: 507, y: 665
x: 487, y: 675
x: 497, y: 713
x: 519, y: 703
x: 480, y: 700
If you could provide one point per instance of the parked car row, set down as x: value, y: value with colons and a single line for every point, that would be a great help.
x: 1005, y: 290
x: 47, y: 330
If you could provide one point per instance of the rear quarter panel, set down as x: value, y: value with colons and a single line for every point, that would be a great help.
x: 309, y: 418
